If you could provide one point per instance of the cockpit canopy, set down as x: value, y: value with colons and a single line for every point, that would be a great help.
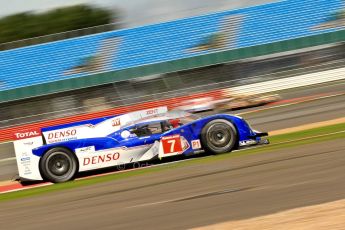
x: 158, y: 124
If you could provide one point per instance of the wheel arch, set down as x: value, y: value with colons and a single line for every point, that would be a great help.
x: 232, y: 122
x: 227, y: 119
x: 69, y: 150
x: 237, y: 143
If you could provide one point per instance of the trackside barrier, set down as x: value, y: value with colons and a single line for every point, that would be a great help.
x: 291, y: 82
x: 256, y: 88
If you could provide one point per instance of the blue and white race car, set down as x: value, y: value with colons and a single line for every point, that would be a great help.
x: 58, y: 153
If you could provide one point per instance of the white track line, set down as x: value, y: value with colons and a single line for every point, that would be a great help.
x: 97, y: 175
x: 7, y: 159
x: 306, y: 138
x: 26, y: 188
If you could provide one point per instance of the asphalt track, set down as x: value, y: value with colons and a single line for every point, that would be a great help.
x: 267, y: 120
x: 193, y: 195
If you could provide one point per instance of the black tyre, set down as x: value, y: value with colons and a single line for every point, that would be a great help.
x: 58, y: 165
x: 219, y: 136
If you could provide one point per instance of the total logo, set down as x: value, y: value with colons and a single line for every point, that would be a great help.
x: 27, y: 134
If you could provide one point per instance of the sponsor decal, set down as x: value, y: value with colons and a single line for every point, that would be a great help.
x: 170, y: 137
x: 27, y: 134
x: 185, y: 144
x: 247, y: 142
x: 152, y: 111
x: 27, y: 171
x: 25, y: 163
x: 62, y: 134
x: 116, y: 122
x: 101, y: 159
x: 84, y: 150
x: 28, y: 143
x: 196, y: 144
x: 24, y: 154
x: 25, y: 159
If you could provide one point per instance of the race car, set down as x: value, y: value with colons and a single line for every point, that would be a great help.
x: 58, y: 153
x: 233, y: 101
x: 196, y: 105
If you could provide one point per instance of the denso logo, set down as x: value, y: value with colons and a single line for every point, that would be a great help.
x: 101, y: 159
x: 27, y: 134
x: 62, y: 134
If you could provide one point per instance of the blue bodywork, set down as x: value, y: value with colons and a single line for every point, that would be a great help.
x: 190, y: 131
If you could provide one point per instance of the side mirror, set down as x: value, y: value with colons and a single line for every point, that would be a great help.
x: 125, y: 134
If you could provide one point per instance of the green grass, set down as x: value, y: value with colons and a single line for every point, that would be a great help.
x: 309, y: 132
x: 277, y: 142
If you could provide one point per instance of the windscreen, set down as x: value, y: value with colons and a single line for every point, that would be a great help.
x: 182, y: 116
x: 161, y: 123
x: 174, y: 117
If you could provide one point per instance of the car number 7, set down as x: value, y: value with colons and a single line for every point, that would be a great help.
x: 172, y: 144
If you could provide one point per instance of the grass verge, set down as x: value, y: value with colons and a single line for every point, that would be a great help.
x: 277, y: 142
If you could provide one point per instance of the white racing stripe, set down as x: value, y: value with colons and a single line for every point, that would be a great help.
x: 307, y: 138
x: 26, y: 188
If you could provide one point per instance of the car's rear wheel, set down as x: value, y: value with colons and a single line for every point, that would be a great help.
x: 58, y: 165
x: 219, y: 136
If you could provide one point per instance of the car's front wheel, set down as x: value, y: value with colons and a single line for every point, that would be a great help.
x: 219, y: 136
x: 58, y: 165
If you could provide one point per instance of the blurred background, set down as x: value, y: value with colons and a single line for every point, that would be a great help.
x: 81, y: 59
x: 279, y: 64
